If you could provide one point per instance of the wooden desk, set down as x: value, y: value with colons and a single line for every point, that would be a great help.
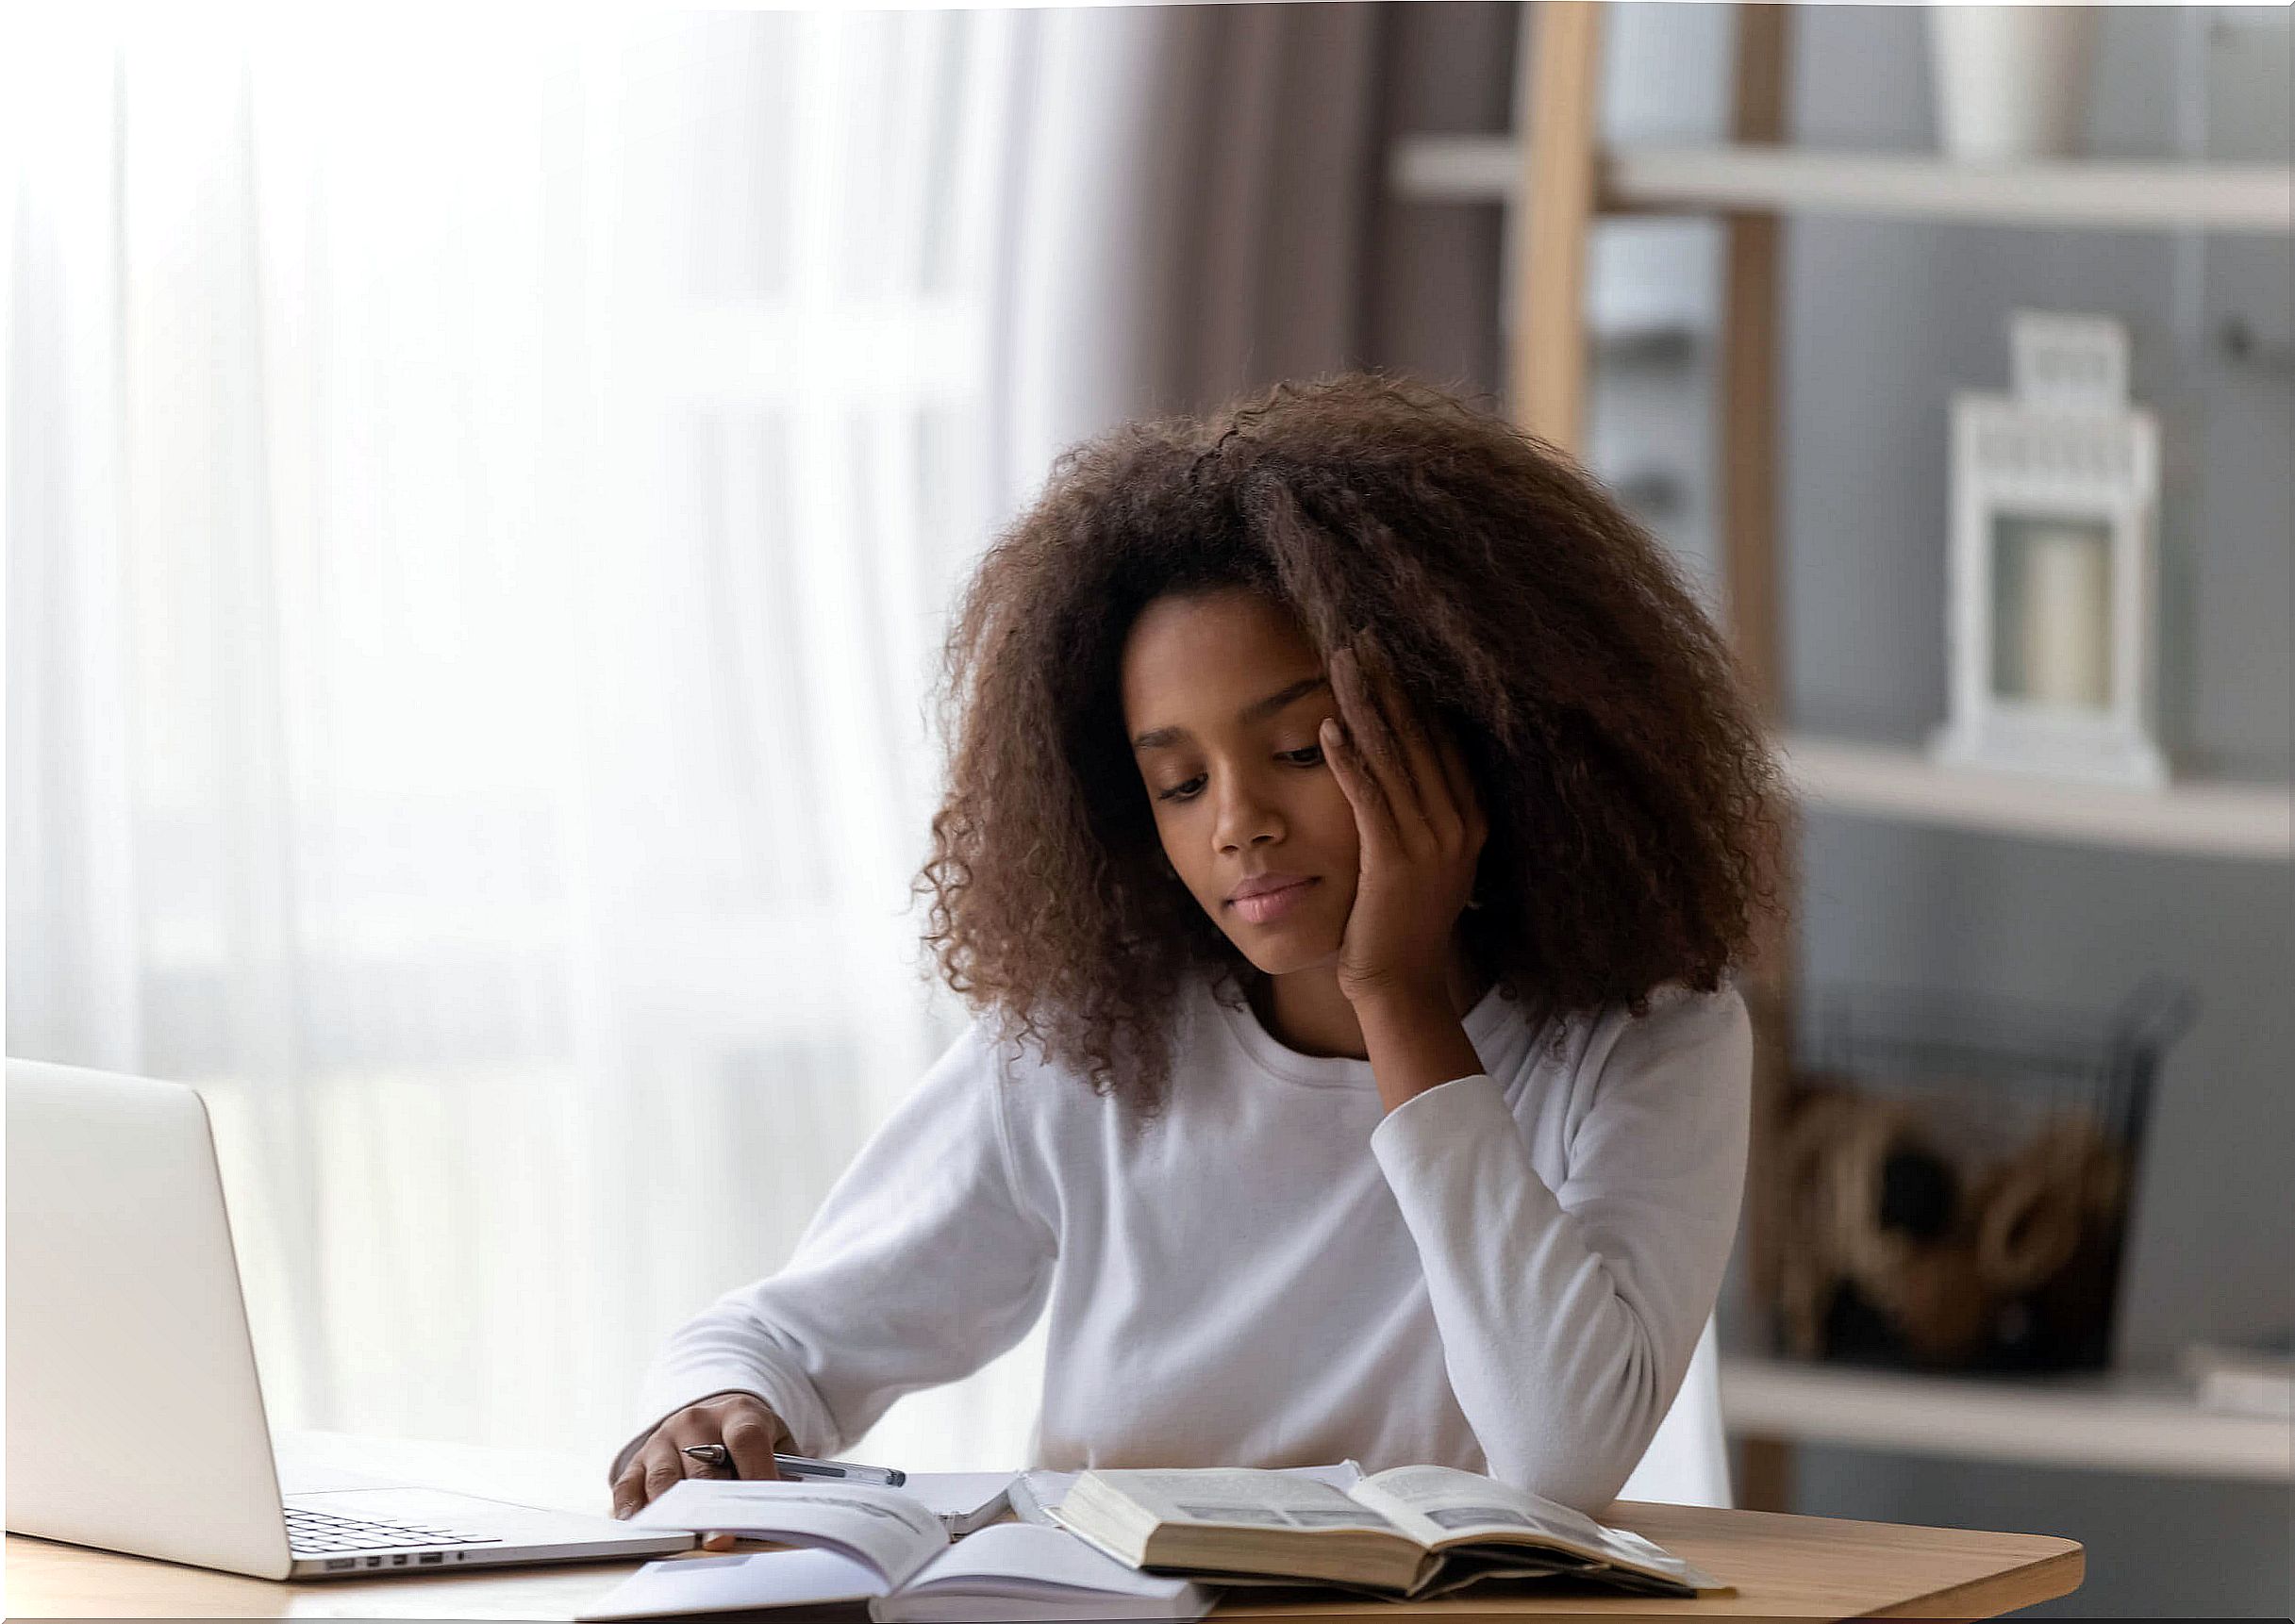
x: 1783, y: 1567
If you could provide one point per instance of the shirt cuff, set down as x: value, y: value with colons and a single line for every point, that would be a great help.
x: 1430, y: 1124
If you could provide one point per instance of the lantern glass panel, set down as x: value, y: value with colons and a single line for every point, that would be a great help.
x: 2051, y: 610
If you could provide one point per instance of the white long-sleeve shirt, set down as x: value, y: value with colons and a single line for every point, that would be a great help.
x: 1505, y: 1273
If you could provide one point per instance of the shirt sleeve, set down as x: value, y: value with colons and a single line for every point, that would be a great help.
x: 1568, y: 1316
x: 920, y: 1267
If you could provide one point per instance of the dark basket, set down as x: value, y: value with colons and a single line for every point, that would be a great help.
x: 1957, y: 1174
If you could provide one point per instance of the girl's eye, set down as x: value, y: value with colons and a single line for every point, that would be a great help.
x: 1309, y: 756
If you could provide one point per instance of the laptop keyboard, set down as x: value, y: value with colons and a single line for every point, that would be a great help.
x: 318, y: 1533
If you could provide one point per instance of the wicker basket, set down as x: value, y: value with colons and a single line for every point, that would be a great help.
x: 1955, y: 1175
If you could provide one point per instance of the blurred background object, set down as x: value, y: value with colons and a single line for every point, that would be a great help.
x: 2010, y: 81
x: 1958, y: 1174
x: 479, y: 520
x: 2247, y: 1379
x: 2052, y: 626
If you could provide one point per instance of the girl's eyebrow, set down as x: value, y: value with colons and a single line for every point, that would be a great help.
x: 1258, y: 709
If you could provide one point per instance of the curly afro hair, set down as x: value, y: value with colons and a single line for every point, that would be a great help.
x: 1637, y: 819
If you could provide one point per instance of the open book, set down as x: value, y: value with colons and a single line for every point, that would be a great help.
x: 887, y: 1547
x: 1410, y: 1531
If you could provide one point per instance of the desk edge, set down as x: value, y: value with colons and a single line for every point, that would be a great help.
x: 2071, y: 1560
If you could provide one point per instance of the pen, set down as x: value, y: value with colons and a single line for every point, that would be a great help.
x: 804, y: 1466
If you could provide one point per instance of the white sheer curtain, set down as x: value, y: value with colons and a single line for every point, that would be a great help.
x: 480, y: 514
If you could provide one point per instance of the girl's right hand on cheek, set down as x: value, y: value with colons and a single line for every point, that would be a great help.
x: 742, y: 1422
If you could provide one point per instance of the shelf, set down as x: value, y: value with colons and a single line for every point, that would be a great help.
x: 2116, y: 1422
x: 2238, y: 197
x: 2109, y: 196
x: 1453, y: 168
x: 2201, y: 818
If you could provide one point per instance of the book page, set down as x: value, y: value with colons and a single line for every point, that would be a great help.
x: 744, y: 1584
x: 1442, y: 1505
x: 893, y: 1533
x: 1013, y: 1558
x: 1034, y: 1491
x: 1213, y: 1497
x: 966, y: 1501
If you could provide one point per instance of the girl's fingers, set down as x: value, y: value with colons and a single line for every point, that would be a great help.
x: 1375, y: 680
x: 1374, y: 817
x: 1438, y: 795
x: 1344, y: 750
x: 663, y: 1465
x: 1427, y: 817
x: 1376, y: 751
x: 750, y: 1433
x: 1411, y: 766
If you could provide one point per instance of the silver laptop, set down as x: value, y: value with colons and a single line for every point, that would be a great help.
x: 134, y: 1417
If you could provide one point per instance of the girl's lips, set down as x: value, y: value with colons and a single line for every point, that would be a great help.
x: 1271, y: 905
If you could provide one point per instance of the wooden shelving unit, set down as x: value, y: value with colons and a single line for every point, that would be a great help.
x: 1555, y: 180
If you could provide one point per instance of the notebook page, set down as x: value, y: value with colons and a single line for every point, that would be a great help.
x: 893, y: 1533
x: 736, y: 1583
x: 1016, y: 1558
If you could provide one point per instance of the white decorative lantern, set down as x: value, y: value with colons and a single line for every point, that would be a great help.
x: 2049, y: 624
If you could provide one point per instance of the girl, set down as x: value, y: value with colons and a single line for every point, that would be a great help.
x: 1353, y: 829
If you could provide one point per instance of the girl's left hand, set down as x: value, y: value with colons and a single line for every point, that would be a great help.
x: 1421, y: 830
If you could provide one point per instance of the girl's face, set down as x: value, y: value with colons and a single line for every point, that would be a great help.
x: 1222, y: 694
